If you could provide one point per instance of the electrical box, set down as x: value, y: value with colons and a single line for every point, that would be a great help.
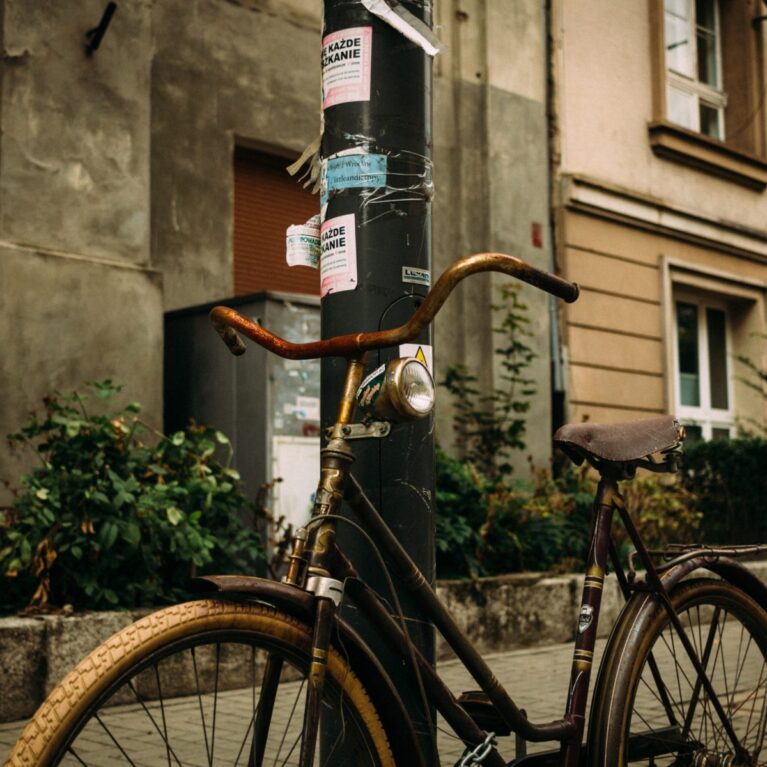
x: 269, y: 407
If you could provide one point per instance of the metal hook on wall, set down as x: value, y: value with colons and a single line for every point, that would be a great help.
x: 95, y: 35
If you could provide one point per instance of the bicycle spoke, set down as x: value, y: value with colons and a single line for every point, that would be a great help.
x: 202, y: 712
x: 290, y: 719
x: 152, y: 720
x: 215, y: 703
x: 70, y: 750
x: 162, y: 710
x: 114, y: 740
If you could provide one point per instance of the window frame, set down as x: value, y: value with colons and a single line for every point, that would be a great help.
x: 704, y: 416
x: 740, y: 158
x: 690, y: 84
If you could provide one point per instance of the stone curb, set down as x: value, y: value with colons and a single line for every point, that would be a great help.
x: 497, y: 614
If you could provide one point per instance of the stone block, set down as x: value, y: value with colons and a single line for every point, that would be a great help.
x: 69, y: 639
x: 510, y: 611
x: 22, y: 671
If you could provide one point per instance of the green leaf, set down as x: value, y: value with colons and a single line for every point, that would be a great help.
x: 43, y: 493
x: 178, y: 438
x: 174, y: 515
x: 132, y: 533
x: 222, y: 438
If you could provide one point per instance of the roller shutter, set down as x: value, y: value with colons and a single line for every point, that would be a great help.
x: 266, y: 201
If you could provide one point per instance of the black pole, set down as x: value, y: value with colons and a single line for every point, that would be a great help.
x: 376, y: 262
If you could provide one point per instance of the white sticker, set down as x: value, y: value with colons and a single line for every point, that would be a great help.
x: 370, y: 376
x: 405, y: 22
x: 346, y: 66
x: 422, y: 352
x: 338, y: 262
x: 302, y: 243
x: 307, y: 408
x: 416, y: 276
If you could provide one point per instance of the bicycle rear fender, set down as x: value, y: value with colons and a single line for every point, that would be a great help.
x: 642, y: 606
x: 726, y: 568
x: 300, y: 604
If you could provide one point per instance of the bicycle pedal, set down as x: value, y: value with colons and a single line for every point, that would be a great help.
x: 479, y: 707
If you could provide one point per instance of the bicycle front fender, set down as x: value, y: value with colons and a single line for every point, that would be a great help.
x: 301, y: 604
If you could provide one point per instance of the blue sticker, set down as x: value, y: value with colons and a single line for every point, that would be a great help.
x: 352, y: 171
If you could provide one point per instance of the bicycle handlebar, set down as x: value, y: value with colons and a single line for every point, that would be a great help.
x: 228, y: 321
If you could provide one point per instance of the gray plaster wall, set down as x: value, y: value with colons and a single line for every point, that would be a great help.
x: 222, y: 73
x: 79, y: 299
x: 116, y: 176
x: 492, y: 183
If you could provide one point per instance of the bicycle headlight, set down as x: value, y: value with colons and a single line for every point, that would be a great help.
x: 400, y: 390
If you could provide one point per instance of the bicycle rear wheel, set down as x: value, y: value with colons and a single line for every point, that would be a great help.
x: 650, y: 708
x: 203, y: 683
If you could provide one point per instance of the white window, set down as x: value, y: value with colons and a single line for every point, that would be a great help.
x: 702, y: 366
x: 695, y: 98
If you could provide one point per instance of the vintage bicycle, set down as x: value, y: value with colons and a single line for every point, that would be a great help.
x: 261, y: 672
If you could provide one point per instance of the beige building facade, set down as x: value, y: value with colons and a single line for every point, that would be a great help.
x: 660, y: 206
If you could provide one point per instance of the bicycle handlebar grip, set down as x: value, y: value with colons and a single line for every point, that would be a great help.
x: 567, y: 291
x: 229, y: 336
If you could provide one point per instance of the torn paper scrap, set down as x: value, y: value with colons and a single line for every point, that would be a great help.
x: 302, y: 243
x: 408, y: 24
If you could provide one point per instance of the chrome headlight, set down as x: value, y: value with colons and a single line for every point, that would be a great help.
x: 400, y: 390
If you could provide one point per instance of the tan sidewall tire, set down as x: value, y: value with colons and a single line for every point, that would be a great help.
x: 612, y: 711
x: 63, y: 708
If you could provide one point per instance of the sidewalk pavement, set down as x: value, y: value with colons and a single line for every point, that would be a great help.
x: 536, y: 677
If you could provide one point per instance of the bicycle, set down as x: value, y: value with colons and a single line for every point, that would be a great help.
x: 663, y: 693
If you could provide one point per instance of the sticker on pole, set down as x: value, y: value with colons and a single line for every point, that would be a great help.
x: 351, y: 170
x: 416, y: 276
x: 338, y: 261
x: 346, y: 66
x: 422, y: 352
x: 302, y: 243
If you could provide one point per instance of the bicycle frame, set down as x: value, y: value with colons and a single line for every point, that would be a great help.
x: 319, y: 566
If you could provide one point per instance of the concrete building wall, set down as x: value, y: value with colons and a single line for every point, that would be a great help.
x: 79, y: 299
x: 222, y: 73
x: 639, y: 222
x: 606, y: 87
x: 491, y: 180
x: 116, y: 177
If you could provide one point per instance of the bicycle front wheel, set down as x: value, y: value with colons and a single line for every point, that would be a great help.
x: 203, y: 683
x: 651, y: 708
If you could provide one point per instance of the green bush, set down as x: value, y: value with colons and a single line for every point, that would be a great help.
x: 487, y: 527
x: 116, y: 514
x: 490, y: 528
x: 729, y: 476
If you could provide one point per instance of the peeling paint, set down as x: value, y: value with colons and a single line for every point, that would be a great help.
x: 77, y: 176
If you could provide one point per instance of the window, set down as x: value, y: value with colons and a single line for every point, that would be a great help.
x: 694, y: 92
x: 702, y: 366
x: 709, y: 87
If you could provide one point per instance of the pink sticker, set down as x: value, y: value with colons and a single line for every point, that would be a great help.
x: 346, y: 64
x: 338, y: 260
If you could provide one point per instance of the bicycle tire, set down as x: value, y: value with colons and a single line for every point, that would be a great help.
x: 80, y: 721
x: 630, y: 720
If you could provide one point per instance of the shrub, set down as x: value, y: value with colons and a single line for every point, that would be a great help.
x: 490, y: 427
x: 730, y: 480
x: 116, y: 514
x: 492, y: 528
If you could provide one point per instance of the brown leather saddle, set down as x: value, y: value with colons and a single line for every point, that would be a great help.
x: 632, y: 443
